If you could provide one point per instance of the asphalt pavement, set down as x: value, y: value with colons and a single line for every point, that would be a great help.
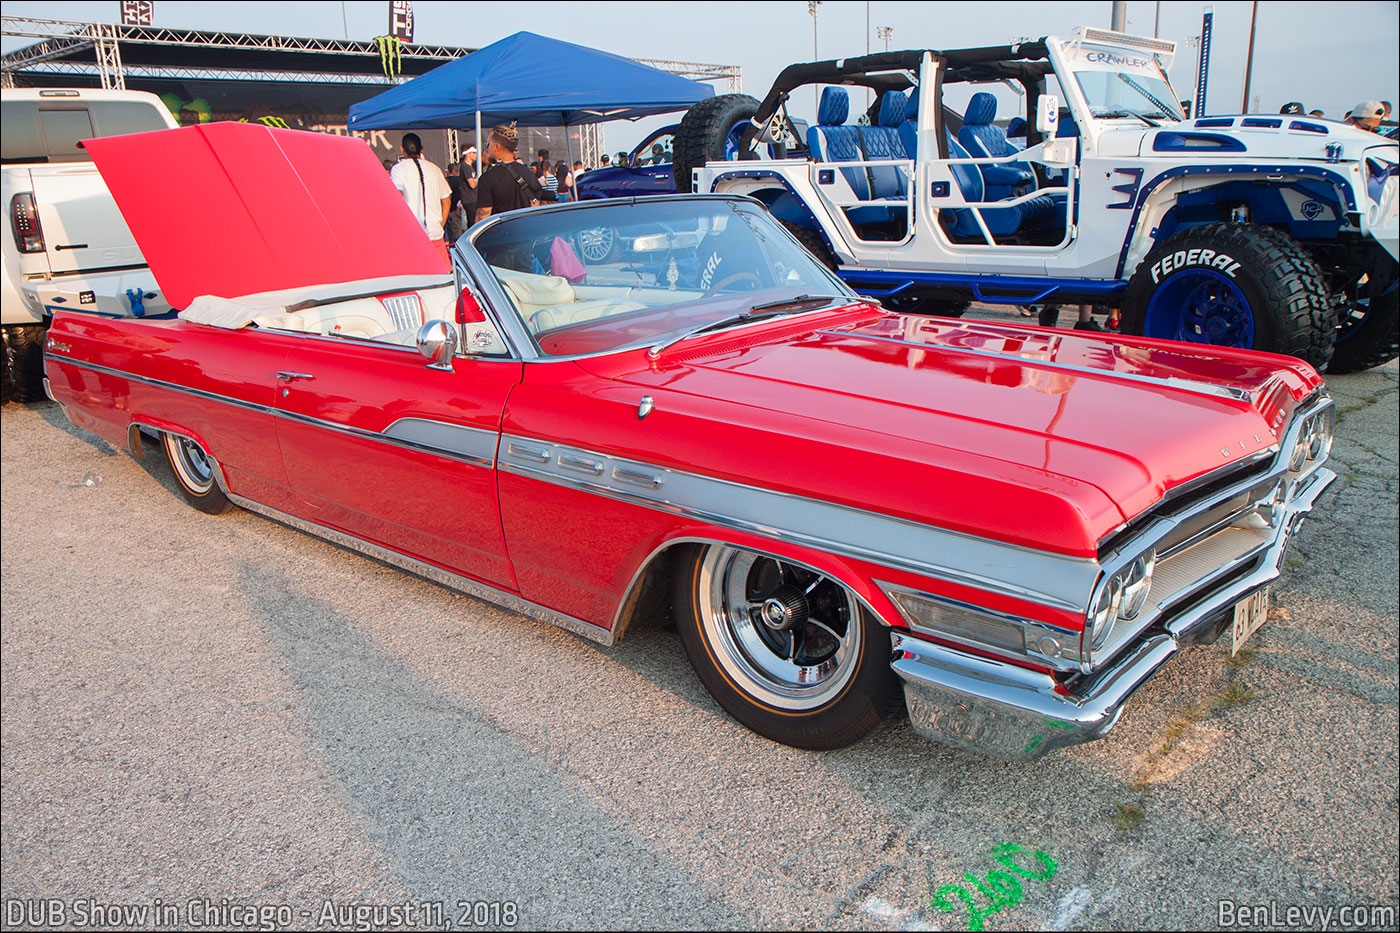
x: 223, y: 718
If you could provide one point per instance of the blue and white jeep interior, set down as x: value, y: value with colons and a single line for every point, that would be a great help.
x: 1272, y: 232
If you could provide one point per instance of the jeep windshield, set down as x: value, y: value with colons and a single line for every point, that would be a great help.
x: 604, y: 276
x: 1122, y: 83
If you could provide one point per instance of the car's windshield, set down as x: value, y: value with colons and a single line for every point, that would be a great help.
x: 601, y: 277
x: 1128, y: 94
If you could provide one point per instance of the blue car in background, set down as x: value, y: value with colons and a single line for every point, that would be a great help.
x: 648, y: 171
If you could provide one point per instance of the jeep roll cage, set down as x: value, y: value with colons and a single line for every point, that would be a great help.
x: 1026, y: 62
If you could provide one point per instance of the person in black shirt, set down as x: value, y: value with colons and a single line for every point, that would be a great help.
x: 508, y: 185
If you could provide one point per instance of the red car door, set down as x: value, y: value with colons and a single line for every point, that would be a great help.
x: 379, y: 445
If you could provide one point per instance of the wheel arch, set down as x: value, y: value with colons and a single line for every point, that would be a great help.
x: 1202, y: 185
x: 778, y: 195
x: 649, y: 588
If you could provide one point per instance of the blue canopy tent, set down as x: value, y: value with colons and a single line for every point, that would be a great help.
x: 533, y: 80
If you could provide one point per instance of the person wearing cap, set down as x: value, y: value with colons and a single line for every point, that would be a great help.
x: 466, y: 186
x: 1292, y: 107
x: 1367, y: 115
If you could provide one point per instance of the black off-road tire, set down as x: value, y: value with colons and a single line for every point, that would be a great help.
x: 1375, y: 340
x: 24, y: 354
x: 814, y: 243
x: 7, y: 385
x: 870, y: 694
x: 702, y: 132
x: 1286, y: 291
x: 918, y: 301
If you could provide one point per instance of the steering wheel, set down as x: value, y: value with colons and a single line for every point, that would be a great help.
x: 732, y: 279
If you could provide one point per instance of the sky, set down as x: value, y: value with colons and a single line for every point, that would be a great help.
x: 1328, y: 55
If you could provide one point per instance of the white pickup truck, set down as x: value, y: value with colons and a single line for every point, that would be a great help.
x: 68, y: 246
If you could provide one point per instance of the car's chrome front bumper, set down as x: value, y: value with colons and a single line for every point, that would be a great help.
x: 997, y: 708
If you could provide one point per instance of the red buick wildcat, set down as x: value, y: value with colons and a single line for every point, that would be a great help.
x: 1005, y: 529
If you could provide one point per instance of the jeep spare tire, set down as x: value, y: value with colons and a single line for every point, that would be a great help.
x: 705, y: 134
x: 1233, y: 285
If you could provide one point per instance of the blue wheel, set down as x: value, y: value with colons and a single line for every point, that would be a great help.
x: 1243, y: 286
x: 1200, y: 306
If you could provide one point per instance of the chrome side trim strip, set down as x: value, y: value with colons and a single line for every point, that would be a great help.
x: 454, y: 581
x: 474, y: 445
x: 466, y: 444
x: 1044, y: 577
x: 1173, y: 382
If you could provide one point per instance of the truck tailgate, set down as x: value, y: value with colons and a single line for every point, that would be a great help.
x: 83, y: 230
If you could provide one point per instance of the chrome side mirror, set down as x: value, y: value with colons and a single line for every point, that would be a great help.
x: 437, y: 342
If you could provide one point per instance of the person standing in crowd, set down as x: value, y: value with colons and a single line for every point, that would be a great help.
x: 578, y: 169
x: 466, y: 174
x: 1317, y: 113
x: 605, y: 161
x: 543, y: 159
x: 1366, y: 115
x: 507, y: 185
x: 564, y: 182
x: 1292, y: 107
x: 548, y: 179
x: 424, y: 190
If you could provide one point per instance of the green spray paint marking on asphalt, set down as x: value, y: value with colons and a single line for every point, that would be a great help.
x: 1000, y: 889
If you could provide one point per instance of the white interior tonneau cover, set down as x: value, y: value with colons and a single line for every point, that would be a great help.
x: 233, y: 313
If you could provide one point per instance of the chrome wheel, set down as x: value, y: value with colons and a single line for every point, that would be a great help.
x: 597, y: 244
x: 784, y: 634
x: 192, y: 465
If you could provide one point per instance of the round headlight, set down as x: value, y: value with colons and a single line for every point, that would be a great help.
x: 1137, y: 583
x: 1105, y: 611
x: 1320, y: 435
x: 1300, y: 453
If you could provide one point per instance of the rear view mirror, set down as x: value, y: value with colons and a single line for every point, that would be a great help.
x: 437, y: 342
x: 1047, y: 114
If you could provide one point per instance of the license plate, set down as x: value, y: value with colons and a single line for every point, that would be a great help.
x: 1250, y: 613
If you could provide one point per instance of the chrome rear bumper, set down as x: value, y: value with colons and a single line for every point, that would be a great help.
x: 997, y: 708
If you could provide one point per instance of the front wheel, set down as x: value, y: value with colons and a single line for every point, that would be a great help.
x: 1233, y: 285
x: 194, y: 471
x: 786, y: 650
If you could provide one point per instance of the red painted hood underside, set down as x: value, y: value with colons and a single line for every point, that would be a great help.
x: 231, y: 209
x: 1105, y: 425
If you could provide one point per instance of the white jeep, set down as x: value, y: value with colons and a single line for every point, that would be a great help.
x: 1273, y: 232
x: 67, y: 246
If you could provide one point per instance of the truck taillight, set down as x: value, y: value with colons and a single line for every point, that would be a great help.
x: 24, y: 221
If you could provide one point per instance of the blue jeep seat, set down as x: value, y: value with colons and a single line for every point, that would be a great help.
x: 831, y: 141
x: 1041, y: 211
x: 909, y: 129
x: 985, y: 140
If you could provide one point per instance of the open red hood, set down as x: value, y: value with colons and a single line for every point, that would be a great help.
x: 230, y: 209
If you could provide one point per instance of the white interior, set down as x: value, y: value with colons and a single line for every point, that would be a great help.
x: 549, y: 301
x: 361, y: 317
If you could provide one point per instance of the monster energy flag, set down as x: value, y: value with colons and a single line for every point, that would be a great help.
x: 401, y: 19
x: 137, y: 12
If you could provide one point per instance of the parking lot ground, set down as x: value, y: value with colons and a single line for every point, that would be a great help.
x: 202, y: 708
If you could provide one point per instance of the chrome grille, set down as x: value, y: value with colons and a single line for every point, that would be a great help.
x: 406, y: 311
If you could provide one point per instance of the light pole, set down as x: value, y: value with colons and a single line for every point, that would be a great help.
x: 1249, y: 58
x: 812, y: 9
x: 886, y: 33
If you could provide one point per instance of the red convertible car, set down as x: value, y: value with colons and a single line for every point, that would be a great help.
x: 847, y: 511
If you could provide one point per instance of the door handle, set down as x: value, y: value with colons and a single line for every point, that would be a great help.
x: 293, y: 377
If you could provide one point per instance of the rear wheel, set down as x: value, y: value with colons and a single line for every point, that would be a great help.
x: 1368, y: 335
x: 814, y: 243
x: 786, y: 650
x: 194, y: 471
x: 24, y: 353
x: 921, y: 301
x: 709, y: 132
x: 1233, y: 285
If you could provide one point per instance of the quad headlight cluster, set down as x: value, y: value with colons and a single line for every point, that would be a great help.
x: 1314, y: 441
x: 1122, y: 596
